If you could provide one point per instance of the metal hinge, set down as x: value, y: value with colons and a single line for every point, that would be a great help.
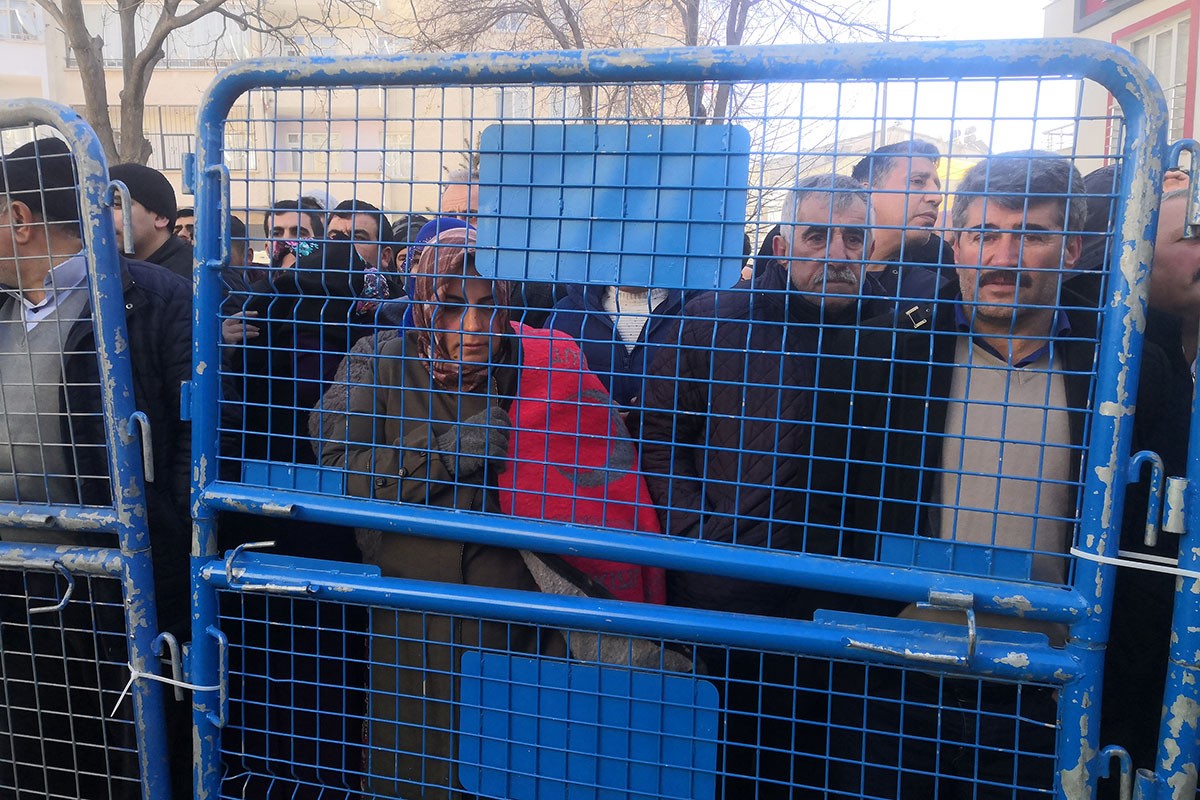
x: 1173, y: 519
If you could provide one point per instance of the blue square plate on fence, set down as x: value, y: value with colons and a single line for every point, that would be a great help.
x: 613, y: 204
x: 543, y: 729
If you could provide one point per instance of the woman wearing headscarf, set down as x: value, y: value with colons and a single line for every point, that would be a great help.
x: 432, y: 423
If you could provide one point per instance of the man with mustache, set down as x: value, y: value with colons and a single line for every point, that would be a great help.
x: 965, y: 456
x: 727, y: 432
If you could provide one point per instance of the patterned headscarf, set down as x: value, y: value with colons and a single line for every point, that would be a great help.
x: 446, y: 256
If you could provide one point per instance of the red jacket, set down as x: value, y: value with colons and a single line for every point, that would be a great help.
x: 571, y: 459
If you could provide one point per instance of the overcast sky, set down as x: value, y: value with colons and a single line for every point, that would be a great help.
x: 965, y: 19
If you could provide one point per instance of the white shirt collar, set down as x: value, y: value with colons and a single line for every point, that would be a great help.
x: 65, y: 277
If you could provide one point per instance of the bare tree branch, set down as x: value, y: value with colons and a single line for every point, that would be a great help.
x: 145, y: 31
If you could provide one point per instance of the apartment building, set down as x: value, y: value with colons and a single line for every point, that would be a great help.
x: 1162, y: 33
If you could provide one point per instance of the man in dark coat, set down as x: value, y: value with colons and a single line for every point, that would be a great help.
x: 727, y: 429
x: 967, y: 440
x: 906, y: 194
x: 152, y: 216
x: 54, y: 450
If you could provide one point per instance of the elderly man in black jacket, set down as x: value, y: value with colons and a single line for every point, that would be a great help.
x: 730, y: 397
x: 53, y: 449
x: 728, y: 424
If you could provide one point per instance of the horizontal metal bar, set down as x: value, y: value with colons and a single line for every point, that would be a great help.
x: 1031, y: 601
x: 994, y: 658
x: 855, y: 61
x: 84, y: 560
x: 65, y: 518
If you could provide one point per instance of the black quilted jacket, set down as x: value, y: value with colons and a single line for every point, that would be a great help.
x: 728, y: 428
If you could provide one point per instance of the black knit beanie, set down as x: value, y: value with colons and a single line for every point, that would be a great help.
x: 149, y: 187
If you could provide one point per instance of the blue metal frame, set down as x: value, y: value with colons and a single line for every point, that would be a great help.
x: 1132, y: 85
x: 127, y: 518
x: 1085, y: 605
x: 1174, y: 773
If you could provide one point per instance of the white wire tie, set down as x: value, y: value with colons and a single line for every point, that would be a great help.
x: 1142, y: 561
x: 135, y: 674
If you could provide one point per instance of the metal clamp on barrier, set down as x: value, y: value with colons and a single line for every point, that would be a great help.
x: 66, y: 598
x: 938, y: 601
x: 1191, y: 227
x: 218, y: 719
x: 235, y: 575
x: 171, y: 644
x: 1154, y: 500
x: 142, y: 422
x: 114, y: 189
x: 1126, y: 764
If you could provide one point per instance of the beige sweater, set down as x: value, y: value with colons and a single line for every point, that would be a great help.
x: 1006, y: 464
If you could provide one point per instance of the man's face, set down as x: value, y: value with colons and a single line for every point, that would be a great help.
x: 1175, y: 279
x: 1010, y: 260
x: 460, y: 200
x: 908, y: 196
x: 148, y: 226
x: 291, y: 225
x: 363, y: 229
x: 288, y: 226
x: 185, y: 228
x: 829, y: 248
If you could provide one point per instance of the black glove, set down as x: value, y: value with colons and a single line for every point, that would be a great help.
x: 468, y: 446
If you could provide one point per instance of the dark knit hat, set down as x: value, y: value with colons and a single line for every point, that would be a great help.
x: 41, y: 174
x: 149, y: 187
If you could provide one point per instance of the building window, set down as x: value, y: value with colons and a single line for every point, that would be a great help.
x: 308, y: 153
x: 563, y: 102
x: 1165, y: 50
x: 388, y: 45
x: 171, y: 131
x: 510, y: 23
x: 240, y: 152
x: 514, y: 102
x: 398, y: 157
x: 19, y: 19
x: 210, y: 42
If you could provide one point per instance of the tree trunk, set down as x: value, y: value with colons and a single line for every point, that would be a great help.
x: 735, y: 30
x: 587, y: 101
x: 134, y: 147
x: 89, y: 56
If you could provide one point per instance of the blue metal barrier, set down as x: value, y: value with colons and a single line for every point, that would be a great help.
x: 1173, y: 773
x: 80, y: 618
x: 989, y: 633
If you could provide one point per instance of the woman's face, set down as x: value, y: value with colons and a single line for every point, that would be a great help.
x: 463, y: 318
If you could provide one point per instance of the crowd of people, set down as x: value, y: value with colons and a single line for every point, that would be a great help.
x: 870, y: 389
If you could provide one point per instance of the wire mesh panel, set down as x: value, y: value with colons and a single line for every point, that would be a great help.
x: 64, y: 667
x: 862, y: 350
x: 78, y: 491
x: 461, y: 691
